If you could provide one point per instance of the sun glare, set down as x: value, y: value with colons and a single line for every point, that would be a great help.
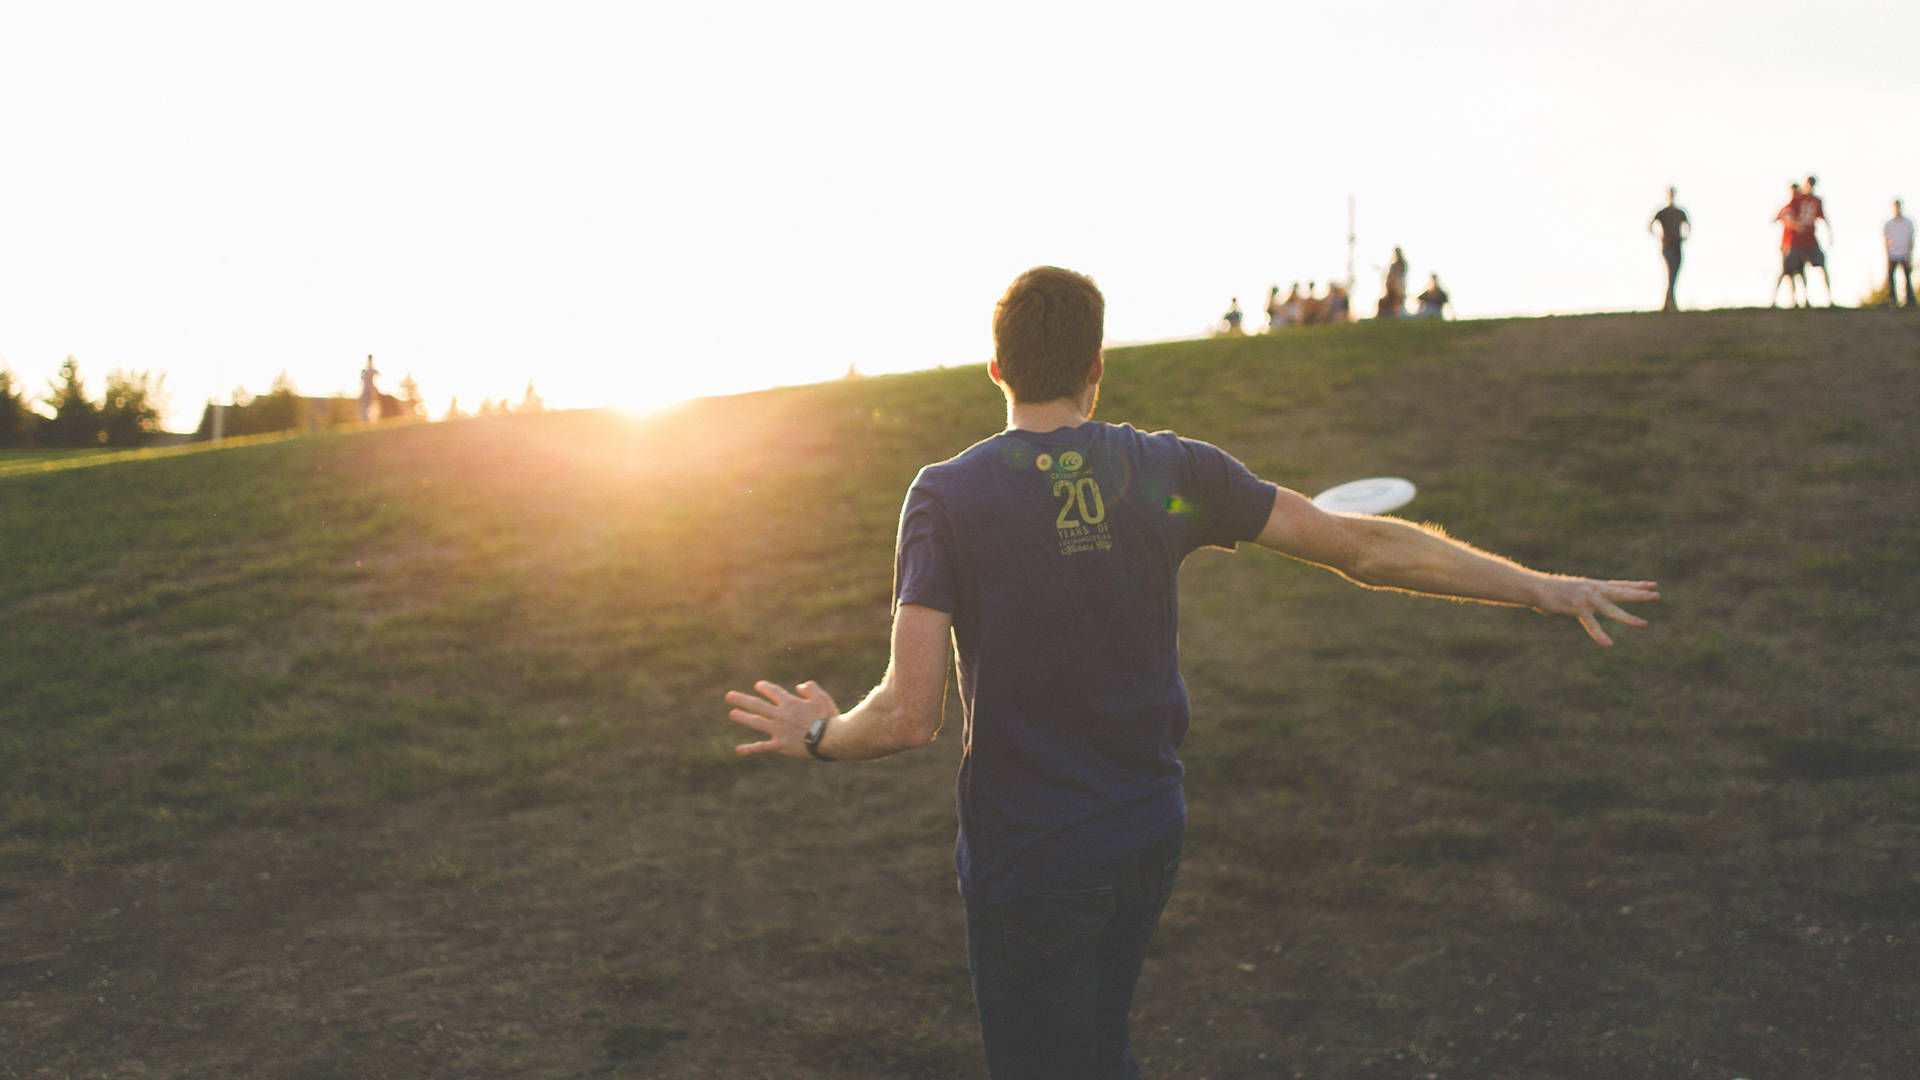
x: 647, y: 406
x: 643, y: 392
x: 633, y: 390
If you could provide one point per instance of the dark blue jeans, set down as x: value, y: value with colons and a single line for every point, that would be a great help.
x: 1905, y: 266
x: 1053, y: 974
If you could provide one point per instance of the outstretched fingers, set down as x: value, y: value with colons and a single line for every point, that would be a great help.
x: 761, y: 712
x: 1614, y: 612
x: 746, y: 716
x: 1605, y: 599
x: 1615, y: 593
x: 769, y: 702
x: 775, y: 692
x: 1632, y: 590
x: 779, y: 714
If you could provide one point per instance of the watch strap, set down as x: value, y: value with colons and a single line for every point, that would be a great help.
x: 815, y: 731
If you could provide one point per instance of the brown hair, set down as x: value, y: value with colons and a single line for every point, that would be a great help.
x: 1046, y: 333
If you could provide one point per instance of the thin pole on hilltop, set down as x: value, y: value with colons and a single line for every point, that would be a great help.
x: 219, y: 410
x: 1349, y: 244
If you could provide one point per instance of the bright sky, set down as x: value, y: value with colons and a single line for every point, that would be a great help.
x: 639, y: 201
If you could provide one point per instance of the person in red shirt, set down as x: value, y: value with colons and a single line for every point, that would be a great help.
x: 1793, y: 267
x: 1812, y: 212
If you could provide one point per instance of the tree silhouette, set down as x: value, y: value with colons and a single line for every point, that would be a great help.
x: 76, y: 421
x: 17, y: 421
x: 130, y: 415
x: 279, y: 409
x: 410, y: 397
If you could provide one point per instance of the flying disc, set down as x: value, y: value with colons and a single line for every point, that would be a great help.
x: 1374, y: 495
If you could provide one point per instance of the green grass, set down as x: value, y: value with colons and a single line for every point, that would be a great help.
x: 507, y: 618
x: 36, y: 460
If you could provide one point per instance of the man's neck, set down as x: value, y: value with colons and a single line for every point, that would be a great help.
x: 1044, y: 416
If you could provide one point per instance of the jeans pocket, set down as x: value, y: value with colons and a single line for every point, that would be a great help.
x: 1056, y: 919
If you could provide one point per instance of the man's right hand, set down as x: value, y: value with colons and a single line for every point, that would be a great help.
x: 781, y: 716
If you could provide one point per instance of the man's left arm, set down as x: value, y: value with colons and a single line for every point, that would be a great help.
x: 1389, y: 553
x: 903, y: 713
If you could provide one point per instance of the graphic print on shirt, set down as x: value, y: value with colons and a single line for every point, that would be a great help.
x: 1081, y: 518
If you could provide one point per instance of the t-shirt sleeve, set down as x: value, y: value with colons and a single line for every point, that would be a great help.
x: 1228, y: 503
x: 922, y: 558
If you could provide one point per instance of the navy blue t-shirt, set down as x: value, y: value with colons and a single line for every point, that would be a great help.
x: 1058, y: 557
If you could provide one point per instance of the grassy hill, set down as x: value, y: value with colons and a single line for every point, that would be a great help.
x: 401, y: 752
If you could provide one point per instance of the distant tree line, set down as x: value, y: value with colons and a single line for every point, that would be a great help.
x: 128, y: 415
x: 284, y: 408
x: 530, y: 402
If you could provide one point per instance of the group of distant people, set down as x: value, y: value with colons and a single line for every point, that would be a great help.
x: 1310, y: 308
x: 1297, y: 308
x: 1800, y: 245
x: 1307, y: 308
x: 1800, y: 248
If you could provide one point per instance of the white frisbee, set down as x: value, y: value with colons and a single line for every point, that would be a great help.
x: 1374, y: 495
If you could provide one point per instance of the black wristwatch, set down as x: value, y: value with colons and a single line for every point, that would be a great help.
x: 812, y: 738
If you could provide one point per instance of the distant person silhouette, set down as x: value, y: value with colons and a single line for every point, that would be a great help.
x: 1805, y: 247
x: 1276, y: 310
x: 1792, y: 268
x: 1433, y: 302
x: 1337, y: 305
x: 1233, y: 317
x: 1898, y: 232
x: 1393, y: 303
x: 369, y: 393
x: 1674, y: 230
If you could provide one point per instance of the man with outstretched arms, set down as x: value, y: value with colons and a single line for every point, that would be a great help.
x: 1048, y: 556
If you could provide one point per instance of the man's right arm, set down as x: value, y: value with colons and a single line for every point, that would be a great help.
x: 1388, y: 553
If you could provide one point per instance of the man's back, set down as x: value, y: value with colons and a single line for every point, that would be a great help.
x: 1057, y: 555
